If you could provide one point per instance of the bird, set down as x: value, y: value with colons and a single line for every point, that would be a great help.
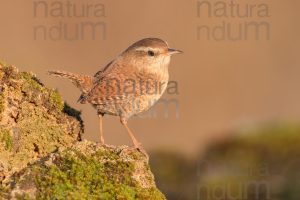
x: 130, y: 84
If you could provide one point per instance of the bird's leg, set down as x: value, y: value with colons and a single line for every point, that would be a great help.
x: 101, y: 129
x: 137, y: 145
x: 134, y: 140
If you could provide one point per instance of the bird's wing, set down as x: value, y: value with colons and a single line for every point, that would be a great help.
x: 108, y: 86
x: 95, y: 81
x: 104, y: 71
x: 118, y: 83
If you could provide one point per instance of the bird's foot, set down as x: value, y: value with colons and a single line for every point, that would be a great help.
x: 138, y: 146
x: 101, y: 144
x: 135, y: 148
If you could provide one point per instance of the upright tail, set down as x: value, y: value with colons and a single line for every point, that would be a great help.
x: 83, y: 82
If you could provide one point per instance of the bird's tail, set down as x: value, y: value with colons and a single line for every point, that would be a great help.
x: 83, y: 82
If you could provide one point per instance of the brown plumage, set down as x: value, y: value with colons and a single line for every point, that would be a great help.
x: 128, y: 85
x: 83, y: 82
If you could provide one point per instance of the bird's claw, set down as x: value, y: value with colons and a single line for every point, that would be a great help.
x: 103, y: 145
x: 140, y: 148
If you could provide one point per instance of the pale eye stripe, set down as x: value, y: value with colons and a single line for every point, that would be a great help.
x: 147, y: 49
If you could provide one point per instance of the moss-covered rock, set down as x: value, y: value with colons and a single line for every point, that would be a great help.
x: 42, y: 155
x: 88, y: 171
x: 6, y: 140
x: 32, y: 121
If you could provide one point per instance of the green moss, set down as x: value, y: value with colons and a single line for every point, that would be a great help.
x: 4, y: 192
x: 79, y: 176
x: 23, y: 197
x: 55, y: 100
x: 38, y: 132
x: 31, y: 83
x: 35, y: 92
x: 6, y: 138
x: 151, y: 194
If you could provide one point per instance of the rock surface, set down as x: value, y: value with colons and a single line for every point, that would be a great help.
x: 42, y: 155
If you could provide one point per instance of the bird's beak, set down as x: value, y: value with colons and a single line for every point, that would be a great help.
x: 174, y: 51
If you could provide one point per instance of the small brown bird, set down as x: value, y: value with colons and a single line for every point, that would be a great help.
x: 128, y: 85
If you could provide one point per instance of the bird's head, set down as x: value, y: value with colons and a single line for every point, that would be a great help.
x: 150, y: 53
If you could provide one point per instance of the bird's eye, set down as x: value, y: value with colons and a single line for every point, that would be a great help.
x: 150, y: 53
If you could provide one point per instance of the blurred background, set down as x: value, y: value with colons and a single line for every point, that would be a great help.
x: 228, y: 127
